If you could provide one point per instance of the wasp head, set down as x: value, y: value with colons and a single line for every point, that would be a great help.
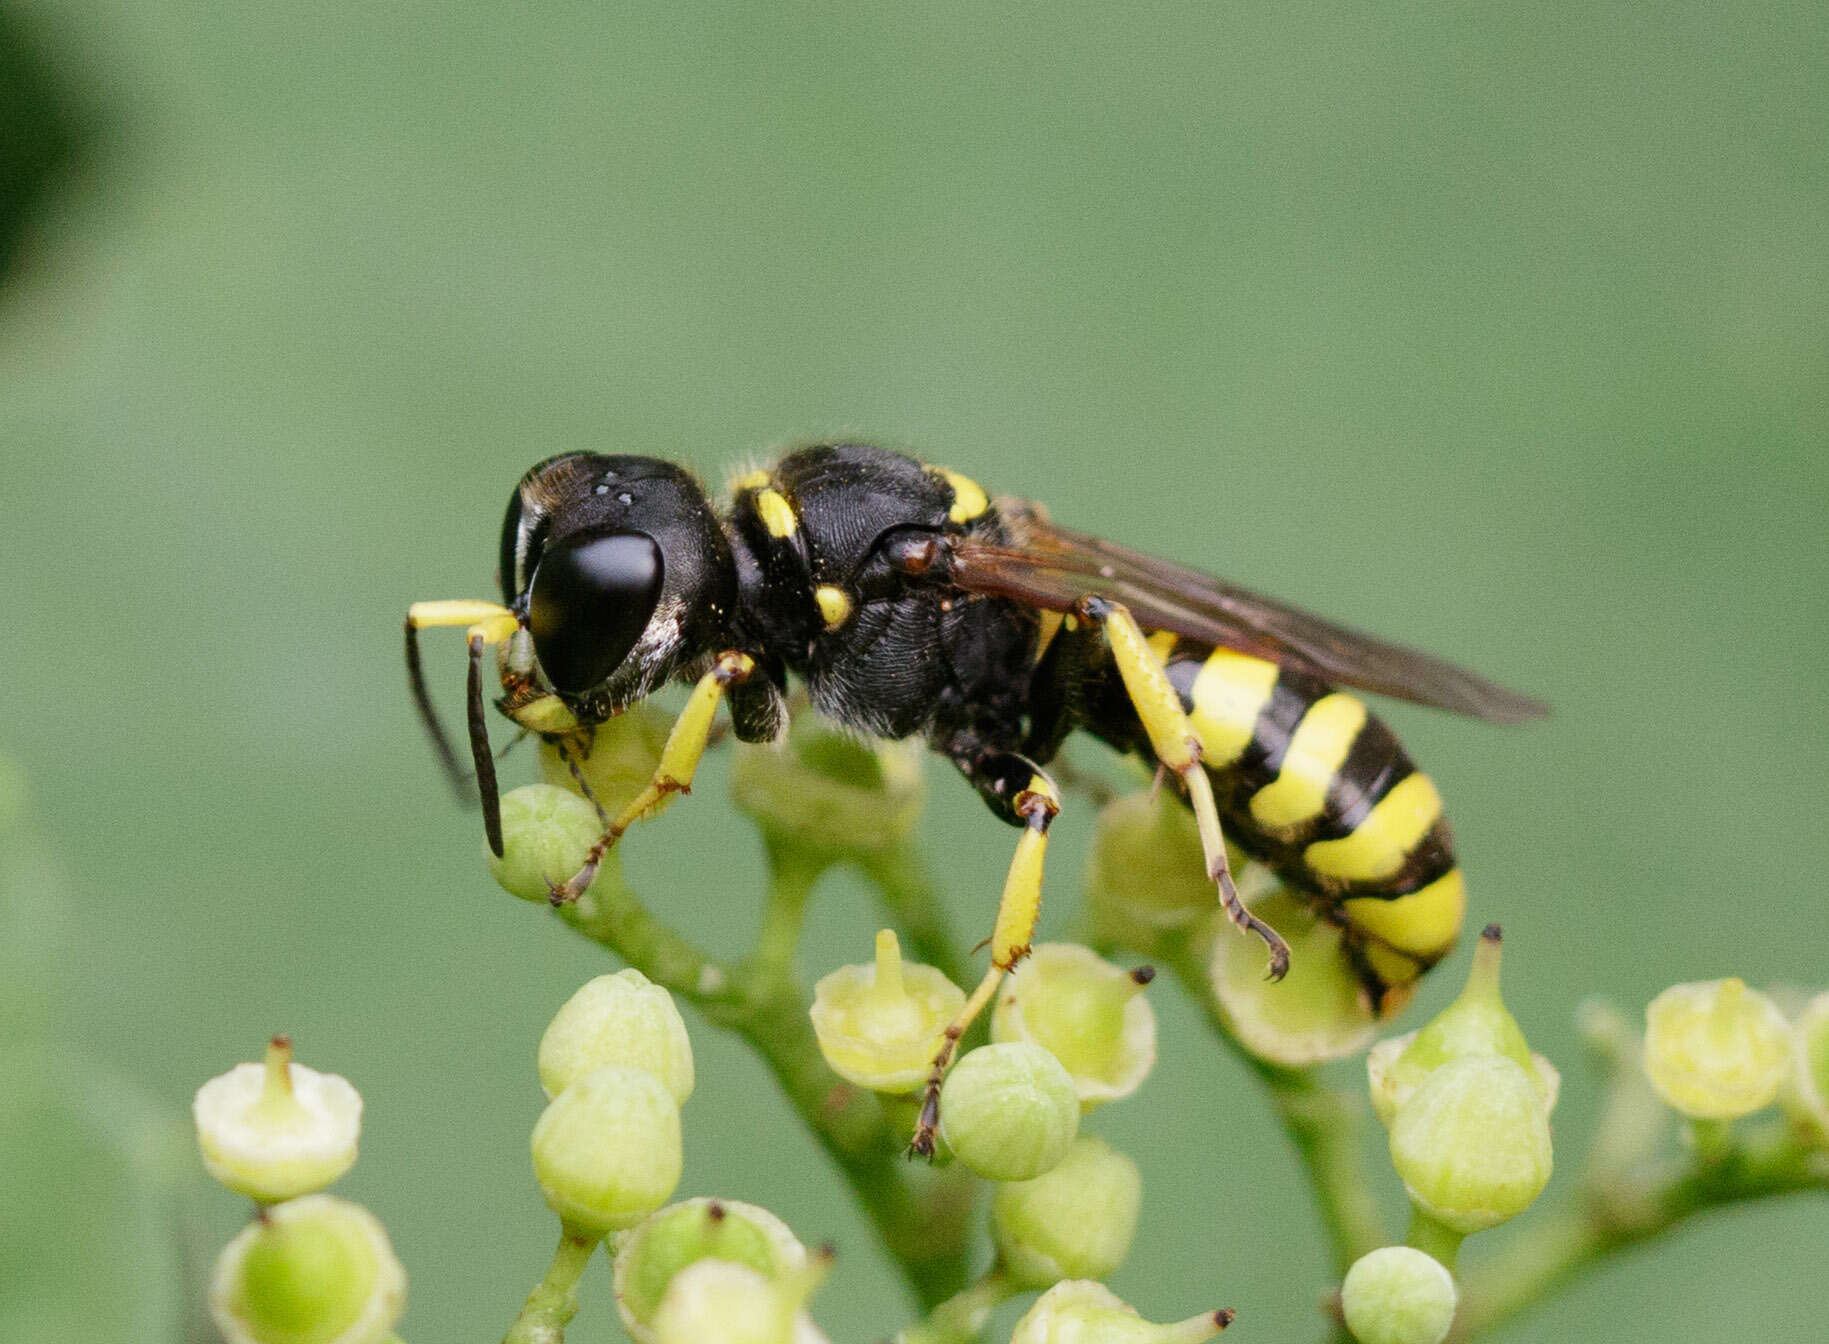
x: 620, y: 572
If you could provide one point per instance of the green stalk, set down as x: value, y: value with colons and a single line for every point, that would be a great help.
x: 554, y: 1299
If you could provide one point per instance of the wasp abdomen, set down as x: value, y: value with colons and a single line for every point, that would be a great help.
x: 1311, y: 783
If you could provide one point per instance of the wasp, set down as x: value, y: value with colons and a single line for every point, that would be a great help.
x: 912, y: 604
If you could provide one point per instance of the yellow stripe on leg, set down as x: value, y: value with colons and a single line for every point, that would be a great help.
x: 1379, y: 845
x: 1316, y: 750
x: 491, y: 620
x: 679, y: 762
x: 1157, y: 702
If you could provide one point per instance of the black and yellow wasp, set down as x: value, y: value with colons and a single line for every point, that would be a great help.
x: 910, y: 603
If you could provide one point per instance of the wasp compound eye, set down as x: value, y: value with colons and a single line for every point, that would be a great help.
x: 592, y: 597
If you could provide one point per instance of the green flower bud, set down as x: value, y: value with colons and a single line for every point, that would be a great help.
x: 1476, y: 1023
x: 624, y: 752
x: 1398, y: 1295
x: 825, y: 793
x: 1472, y: 1142
x: 1009, y: 1112
x: 1807, y: 1088
x: 1074, y: 1222
x: 607, y: 1149
x: 1716, y: 1049
x: 547, y: 833
x: 1079, y: 1311
x: 722, y: 1302
x: 1145, y: 876
x: 617, y: 1019
x: 316, y: 1270
x: 277, y: 1130
x: 649, y: 1257
x: 880, y: 1026
x: 1087, y: 1013
x: 1318, y: 1012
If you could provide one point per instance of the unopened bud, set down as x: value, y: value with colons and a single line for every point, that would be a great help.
x: 547, y: 834
x: 823, y: 792
x: 317, y: 1270
x: 618, y: 1019
x: 723, y: 1302
x: 1476, y: 1023
x: 277, y: 1130
x: 607, y: 1149
x: 1089, y: 1014
x: 1398, y: 1295
x: 1009, y: 1112
x: 1145, y: 875
x: 1079, y: 1311
x: 623, y: 754
x: 1716, y: 1049
x: 1807, y: 1090
x: 1472, y: 1142
x: 1074, y: 1222
x: 881, y: 1025
x: 650, y: 1256
x: 1318, y: 1011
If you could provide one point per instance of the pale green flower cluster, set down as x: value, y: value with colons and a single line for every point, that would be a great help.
x: 311, y: 1268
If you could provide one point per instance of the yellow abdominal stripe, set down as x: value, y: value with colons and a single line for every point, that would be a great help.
x: 1422, y: 924
x: 1228, y: 694
x: 1378, y: 848
x: 1316, y: 751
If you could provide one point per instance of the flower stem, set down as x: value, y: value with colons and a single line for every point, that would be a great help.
x: 1434, y: 1238
x: 1323, y: 1125
x: 554, y: 1299
x: 1628, y: 1211
x: 919, y: 1215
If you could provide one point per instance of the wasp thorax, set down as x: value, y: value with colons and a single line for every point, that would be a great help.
x: 591, y: 599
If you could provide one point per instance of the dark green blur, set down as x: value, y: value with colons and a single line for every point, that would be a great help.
x: 1499, y: 330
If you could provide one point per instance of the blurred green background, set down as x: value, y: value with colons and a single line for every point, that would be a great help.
x: 1499, y: 330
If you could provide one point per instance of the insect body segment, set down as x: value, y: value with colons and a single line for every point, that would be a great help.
x: 912, y: 604
x: 1310, y: 783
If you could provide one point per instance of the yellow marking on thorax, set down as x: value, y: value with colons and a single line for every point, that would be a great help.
x: 969, y: 499
x: 1316, y: 751
x: 1228, y: 694
x: 1378, y: 847
x: 834, y: 605
x: 1424, y: 924
x: 753, y: 480
x: 776, y: 513
x: 1050, y: 627
x: 1162, y: 644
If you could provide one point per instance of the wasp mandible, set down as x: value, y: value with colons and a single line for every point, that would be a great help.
x: 910, y: 603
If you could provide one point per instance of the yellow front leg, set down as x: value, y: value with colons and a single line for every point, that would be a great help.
x: 487, y: 623
x: 1017, y: 913
x: 1175, y: 743
x: 679, y: 762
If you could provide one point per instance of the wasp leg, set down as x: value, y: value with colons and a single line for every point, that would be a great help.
x: 1173, y: 740
x: 1033, y: 807
x: 679, y: 761
x: 488, y: 624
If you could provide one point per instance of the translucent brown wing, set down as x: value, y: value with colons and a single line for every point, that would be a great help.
x: 1052, y: 567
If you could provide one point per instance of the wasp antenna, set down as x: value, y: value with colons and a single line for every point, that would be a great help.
x: 428, y: 715
x: 479, y: 749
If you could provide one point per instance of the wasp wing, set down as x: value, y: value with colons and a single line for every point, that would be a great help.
x: 1051, y: 567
